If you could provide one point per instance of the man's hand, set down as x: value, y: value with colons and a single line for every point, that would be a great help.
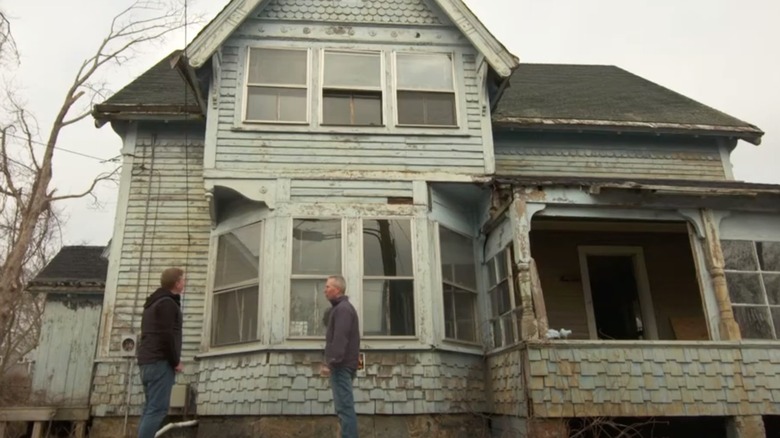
x: 179, y: 367
x: 324, y: 371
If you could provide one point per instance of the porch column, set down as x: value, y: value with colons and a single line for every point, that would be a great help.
x: 533, y: 323
x: 727, y: 325
x: 749, y: 426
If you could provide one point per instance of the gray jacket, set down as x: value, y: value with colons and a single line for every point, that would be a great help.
x: 342, y: 339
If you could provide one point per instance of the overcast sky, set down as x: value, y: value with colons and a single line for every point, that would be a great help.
x: 723, y: 53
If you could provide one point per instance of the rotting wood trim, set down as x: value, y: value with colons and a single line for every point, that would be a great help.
x: 747, y: 132
x: 728, y: 327
x: 27, y: 414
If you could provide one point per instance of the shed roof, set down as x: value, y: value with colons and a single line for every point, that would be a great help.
x: 605, y: 97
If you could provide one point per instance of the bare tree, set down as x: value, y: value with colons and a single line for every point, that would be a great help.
x: 26, y: 158
x: 8, y: 50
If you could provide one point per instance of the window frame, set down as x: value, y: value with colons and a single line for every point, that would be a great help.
x: 456, y: 94
x: 232, y: 287
x: 515, y: 309
x: 475, y: 291
x: 291, y: 276
x: 762, y: 284
x: 246, y: 85
x: 382, y: 88
x: 363, y: 278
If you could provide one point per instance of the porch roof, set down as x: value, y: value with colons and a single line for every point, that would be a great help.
x: 607, y: 98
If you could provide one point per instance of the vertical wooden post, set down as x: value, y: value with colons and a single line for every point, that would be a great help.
x: 534, y: 314
x: 727, y: 325
x: 2, y: 429
x: 37, y: 431
x: 79, y: 429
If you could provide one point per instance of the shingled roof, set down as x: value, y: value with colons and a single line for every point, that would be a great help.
x: 159, y: 91
x: 74, y: 267
x: 604, y: 97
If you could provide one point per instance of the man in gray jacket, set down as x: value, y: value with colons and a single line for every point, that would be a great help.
x: 342, y: 348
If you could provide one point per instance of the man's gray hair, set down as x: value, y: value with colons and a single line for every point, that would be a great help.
x: 341, y: 284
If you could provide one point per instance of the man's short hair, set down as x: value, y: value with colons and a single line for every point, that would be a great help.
x: 170, y: 277
x: 341, y: 284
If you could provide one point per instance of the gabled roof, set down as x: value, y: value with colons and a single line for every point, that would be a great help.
x: 603, y: 97
x: 233, y: 15
x: 161, y: 91
x: 74, y: 266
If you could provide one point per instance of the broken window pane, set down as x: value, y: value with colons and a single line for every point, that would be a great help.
x: 307, y: 307
x: 388, y: 308
x: 235, y: 316
x: 738, y: 255
x: 754, y: 322
x: 316, y: 247
x: 769, y: 255
x: 387, y: 248
x: 772, y: 286
x: 744, y: 288
x: 238, y: 256
x: 457, y: 259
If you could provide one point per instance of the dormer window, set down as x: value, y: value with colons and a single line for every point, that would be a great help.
x: 277, y: 86
x: 425, y: 89
x: 352, y: 88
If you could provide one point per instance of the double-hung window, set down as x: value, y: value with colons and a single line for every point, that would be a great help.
x: 425, y: 89
x: 459, y: 285
x: 352, y: 88
x: 316, y: 254
x: 753, y: 279
x: 388, y: 278
x: 277, y: 85
x: 504, y: 299
x: 236, y: 286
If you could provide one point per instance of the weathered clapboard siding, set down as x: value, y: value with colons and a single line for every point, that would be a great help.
x: 166, y: 223
x: 586, y: 156
x: 66, y: 348
x: 313, y: 191
x: 272, y: 149
x: 591, y: 379
x: 288, y: 383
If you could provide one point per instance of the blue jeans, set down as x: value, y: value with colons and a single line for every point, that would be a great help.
x: 344, y: 401
x: 158, y: 379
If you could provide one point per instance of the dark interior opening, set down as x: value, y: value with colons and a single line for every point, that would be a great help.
x: 615, y: 297
x: 648, y: 427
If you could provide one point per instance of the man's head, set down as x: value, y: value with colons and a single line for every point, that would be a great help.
x: 335, y: 287
x: 172, y: 279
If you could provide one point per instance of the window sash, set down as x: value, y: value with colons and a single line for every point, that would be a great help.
x: 290, y: 103
x: 451, y: 307
x: 244, y: 324
x: 354, y: 98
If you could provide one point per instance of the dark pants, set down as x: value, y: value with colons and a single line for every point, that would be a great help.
x: 158, y: 379
x: 344, y: 401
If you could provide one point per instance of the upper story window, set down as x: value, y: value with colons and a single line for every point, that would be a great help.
x: 352, y: 88
x: 388, y: 278
x: 753, y: 278
x: 458, y: 273
x: 277, y: 85
x: 316, y: 255
x: 425, y: 88
x: 236, y: 286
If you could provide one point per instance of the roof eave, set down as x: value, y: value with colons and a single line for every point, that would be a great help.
x: 108, y: 113
x: 748, y: 133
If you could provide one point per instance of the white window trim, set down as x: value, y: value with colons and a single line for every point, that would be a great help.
x: 382, y: 87
x: 514, y: 308
x: 245, y: 86
x: 224, y: 228
x: 643, y: 285
x: 290, y: 276
x: 459, y: 99
x: 362, y: 277
x: 440, y: 287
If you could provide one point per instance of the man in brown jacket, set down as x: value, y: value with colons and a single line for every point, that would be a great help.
x: 159, y: 351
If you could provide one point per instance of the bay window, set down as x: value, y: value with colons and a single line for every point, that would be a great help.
x: 388, y: 278
x: 459, y: 285
x: 236, y: 286
x: 316, y: 255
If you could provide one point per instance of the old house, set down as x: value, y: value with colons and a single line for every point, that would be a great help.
x: 72, y: 284
x: 471, y: 202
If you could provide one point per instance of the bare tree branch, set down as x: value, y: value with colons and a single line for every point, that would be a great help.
x: 102, y: 177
